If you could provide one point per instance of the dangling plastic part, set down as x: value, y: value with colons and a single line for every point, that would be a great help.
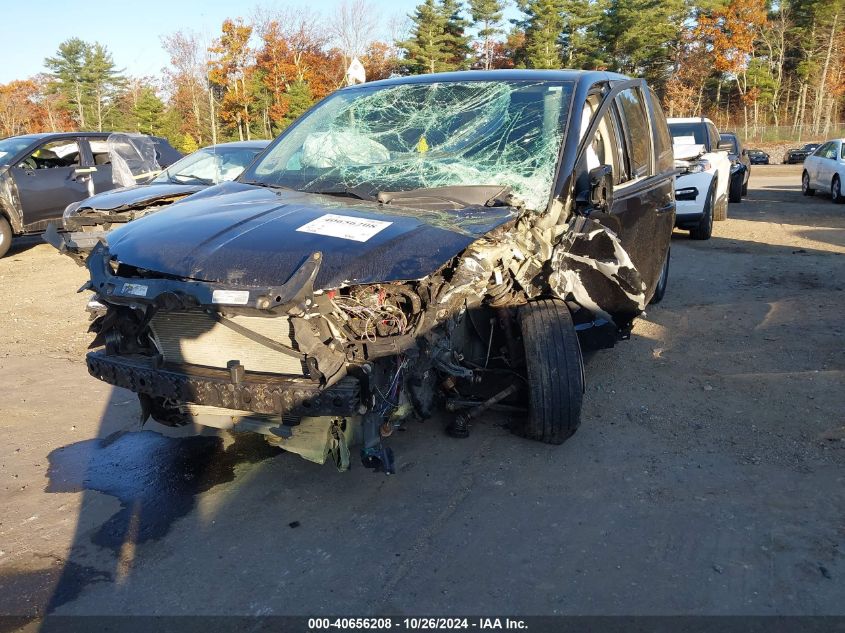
x: 338, y: 448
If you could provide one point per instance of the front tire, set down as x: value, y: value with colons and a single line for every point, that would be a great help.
x: 705, y: 226
x: 806, y: 189
x: 554, y: 369
x: 735, y: 190
x: 836, y: 191
x: 663, y: 281
x: 5, y: 236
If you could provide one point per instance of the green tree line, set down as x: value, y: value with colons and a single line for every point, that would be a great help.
x: 745, y: 63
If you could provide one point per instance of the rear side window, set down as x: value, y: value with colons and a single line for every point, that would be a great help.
x: 638, y: 132
x: 663, y: 149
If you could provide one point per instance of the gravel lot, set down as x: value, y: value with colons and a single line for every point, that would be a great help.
x: 707, y: 476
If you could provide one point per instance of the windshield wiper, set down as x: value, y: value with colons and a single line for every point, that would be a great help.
x: 199, y: 179
x: 267, y: 185
x: 456, y: 195
x: 349, y: 192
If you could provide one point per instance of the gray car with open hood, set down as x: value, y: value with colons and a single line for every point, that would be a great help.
x: 447, y: 240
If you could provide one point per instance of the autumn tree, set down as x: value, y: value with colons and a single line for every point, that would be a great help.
x: 230, y: 68
x: 351, y: 28
x: 381, y: 60
x: 732, y: 31
x: 293, y: 64
x: 190, y: 97
x: 20, y: 111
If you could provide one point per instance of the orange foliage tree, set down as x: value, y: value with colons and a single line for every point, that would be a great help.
x: 232, y: 69
x: 731, y: 30
x: 20, y: 110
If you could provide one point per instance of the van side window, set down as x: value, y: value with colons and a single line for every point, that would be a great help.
x: 664, y: 153
x: 607, y: 146
x: 638, y: 132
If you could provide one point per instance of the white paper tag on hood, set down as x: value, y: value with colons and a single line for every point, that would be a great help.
x: 230, y: 297
x: 345, y: 227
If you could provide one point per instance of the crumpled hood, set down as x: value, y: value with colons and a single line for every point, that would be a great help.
x: 132, y: 197
x: 240, y: 234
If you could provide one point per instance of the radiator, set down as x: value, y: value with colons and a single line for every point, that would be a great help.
x: 195, y: 338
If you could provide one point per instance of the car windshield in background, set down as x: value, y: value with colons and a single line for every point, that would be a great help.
x: 11, y: 146
x: 728, y: 139
x: 688, y: 133
x: 811, y: 147
x: 208, y: 166
x: 425, y: 135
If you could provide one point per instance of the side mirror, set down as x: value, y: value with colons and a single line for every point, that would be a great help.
x: 745, y: 152
x: 601, y: 188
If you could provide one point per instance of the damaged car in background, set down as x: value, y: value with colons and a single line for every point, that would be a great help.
x: 439, y: 240
x: 40, y: 174
x: 87, y: 221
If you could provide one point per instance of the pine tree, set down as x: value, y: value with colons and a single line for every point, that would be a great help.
x: 579, y: 40
x: 66, y: 77
x: 426, y: 48
x: 102, y: 81
x: 148, y: 112
x: 487, y: 18
x: 457, y: 41
x: 299, y: 100
x: 543, y: 27
x: 642, y: 37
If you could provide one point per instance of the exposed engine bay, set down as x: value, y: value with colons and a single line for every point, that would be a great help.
x: 359, y: 360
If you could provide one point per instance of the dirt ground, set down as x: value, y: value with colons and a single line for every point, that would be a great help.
x: 707, y: 476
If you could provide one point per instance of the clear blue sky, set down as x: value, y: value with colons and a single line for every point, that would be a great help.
x: 33, y: 29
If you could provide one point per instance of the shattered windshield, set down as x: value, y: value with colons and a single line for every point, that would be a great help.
x: 208, y: 166
x: 426, y: 135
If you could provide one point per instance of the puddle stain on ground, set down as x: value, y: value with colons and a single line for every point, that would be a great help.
x: 155, y: 478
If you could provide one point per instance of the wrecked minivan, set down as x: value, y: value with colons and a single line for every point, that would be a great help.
x: 445, y: 240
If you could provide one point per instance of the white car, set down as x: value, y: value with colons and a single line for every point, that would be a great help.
x: 701, y: 191
x: 824, y: 169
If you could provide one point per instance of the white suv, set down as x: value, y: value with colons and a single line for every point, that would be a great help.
x: 825, y: 169
x: 701, y: 191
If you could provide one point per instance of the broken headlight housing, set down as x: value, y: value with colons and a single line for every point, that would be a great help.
x: 699, y: 166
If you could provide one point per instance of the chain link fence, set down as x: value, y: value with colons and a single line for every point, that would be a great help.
x: 785, y: 133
